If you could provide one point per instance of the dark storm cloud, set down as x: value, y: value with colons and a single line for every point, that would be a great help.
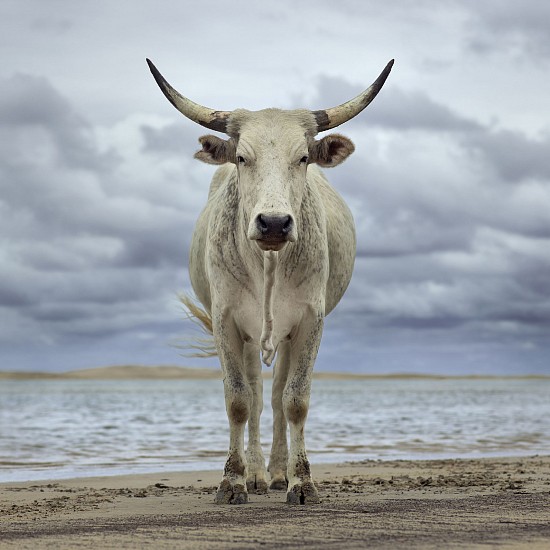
x: 88, y: 242
x: 14, y: 295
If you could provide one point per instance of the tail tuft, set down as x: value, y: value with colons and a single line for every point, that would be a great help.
x: 204, y: 346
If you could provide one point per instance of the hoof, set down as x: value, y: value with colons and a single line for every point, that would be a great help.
x: 304, y: 493
x: 257, y: 486
x: 279, y: 484
x: 231, y: 494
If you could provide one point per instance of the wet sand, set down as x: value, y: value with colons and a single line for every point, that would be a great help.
x: 484, y: 503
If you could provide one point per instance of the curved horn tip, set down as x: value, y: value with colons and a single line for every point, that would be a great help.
x: 380, y: 81
x: 389, y: 66
x: 155, y: 72
x: 209, y: 118
x: 331, y: 118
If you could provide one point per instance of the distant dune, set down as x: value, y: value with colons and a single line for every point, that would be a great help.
x: 168, y: 372
x: 120, y: 372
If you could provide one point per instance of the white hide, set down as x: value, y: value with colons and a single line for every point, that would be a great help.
x: 262, y: 302
x: 271, y: 256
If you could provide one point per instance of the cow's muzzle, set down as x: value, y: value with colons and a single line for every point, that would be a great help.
x: 272, y: 232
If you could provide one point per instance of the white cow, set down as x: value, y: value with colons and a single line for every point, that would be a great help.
x: 271, y: 256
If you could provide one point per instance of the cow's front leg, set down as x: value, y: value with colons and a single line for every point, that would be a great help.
x: 304, y: 347
x: 278, y: 461
x: 232, y: 489
x: 257, y: 474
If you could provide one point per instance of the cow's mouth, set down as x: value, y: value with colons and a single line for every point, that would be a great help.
x: 271, y: 244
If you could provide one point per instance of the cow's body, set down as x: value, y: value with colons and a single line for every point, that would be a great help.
x: 321, y: 262
x: 272, y: 254
x: 226, y: 271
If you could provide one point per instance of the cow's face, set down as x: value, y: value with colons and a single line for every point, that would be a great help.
x: 272, y: 150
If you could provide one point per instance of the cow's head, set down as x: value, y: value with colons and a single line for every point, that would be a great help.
x: 272, y: 149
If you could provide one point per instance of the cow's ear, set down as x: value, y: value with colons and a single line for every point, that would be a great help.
x: 331, y: 150
x: 216, y: 150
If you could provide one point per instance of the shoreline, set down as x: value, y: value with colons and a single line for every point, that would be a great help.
x: 169, y: 372
x: 91, y: 477
x: 382, y: 504
x: 75, y: 475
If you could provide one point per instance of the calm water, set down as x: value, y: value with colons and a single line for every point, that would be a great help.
x: 56, y: 429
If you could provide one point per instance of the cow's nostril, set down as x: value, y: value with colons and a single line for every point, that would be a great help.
x: 287, y: 225
x: 262, y: 224
x: 274, y: 227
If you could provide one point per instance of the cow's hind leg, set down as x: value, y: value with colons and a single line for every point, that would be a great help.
x: 238, y: 396
x: 257, y: 474
x: 279, y: 449
x: 304, y: 347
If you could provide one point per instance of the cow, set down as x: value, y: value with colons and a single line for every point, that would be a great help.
x: 272, y: 254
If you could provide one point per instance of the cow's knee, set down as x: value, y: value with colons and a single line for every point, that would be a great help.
x: 238, y: 411
x: 238, y: 405
x: 295, y: 408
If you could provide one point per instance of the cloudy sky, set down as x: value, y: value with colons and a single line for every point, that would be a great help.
x: 449, y: 184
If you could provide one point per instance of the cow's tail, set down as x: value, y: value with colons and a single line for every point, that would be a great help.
x: 198, y: 346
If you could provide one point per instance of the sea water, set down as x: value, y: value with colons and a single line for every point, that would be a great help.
x: 69, y: 428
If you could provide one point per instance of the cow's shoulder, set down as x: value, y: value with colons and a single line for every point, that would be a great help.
x: 222, y: 177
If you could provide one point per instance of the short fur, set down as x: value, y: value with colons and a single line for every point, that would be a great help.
x: 264, y: 173
x: 271, y: 256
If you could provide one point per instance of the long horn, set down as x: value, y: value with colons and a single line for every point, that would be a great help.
x: 330, y: 118
x: 209, y: 118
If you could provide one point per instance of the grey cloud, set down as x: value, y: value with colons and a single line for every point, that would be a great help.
x: 99, y: 193
x: 511, y: 154
x: 493, y: 284
x: 13, y: 295
x: 405, y: 110
x: 178, y: 138
x: 516, y: 29
x: 52, y: 24
x: 393, y: 108
x: 61, y: 312
x: 452, y: 242
x: 100, y: 304
x: 66, y: 204
x: 88, y: 246
x: 30, y: 101
x: 156, y: 249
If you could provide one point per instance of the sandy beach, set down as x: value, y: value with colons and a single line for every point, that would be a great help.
x: 481, y: 503
x: 466, y: 503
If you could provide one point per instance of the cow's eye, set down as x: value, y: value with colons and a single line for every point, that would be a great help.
x: 304, y: 159
x: 240, y: 159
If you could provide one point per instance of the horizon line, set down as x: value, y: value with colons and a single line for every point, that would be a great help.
x: 168, y: 372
